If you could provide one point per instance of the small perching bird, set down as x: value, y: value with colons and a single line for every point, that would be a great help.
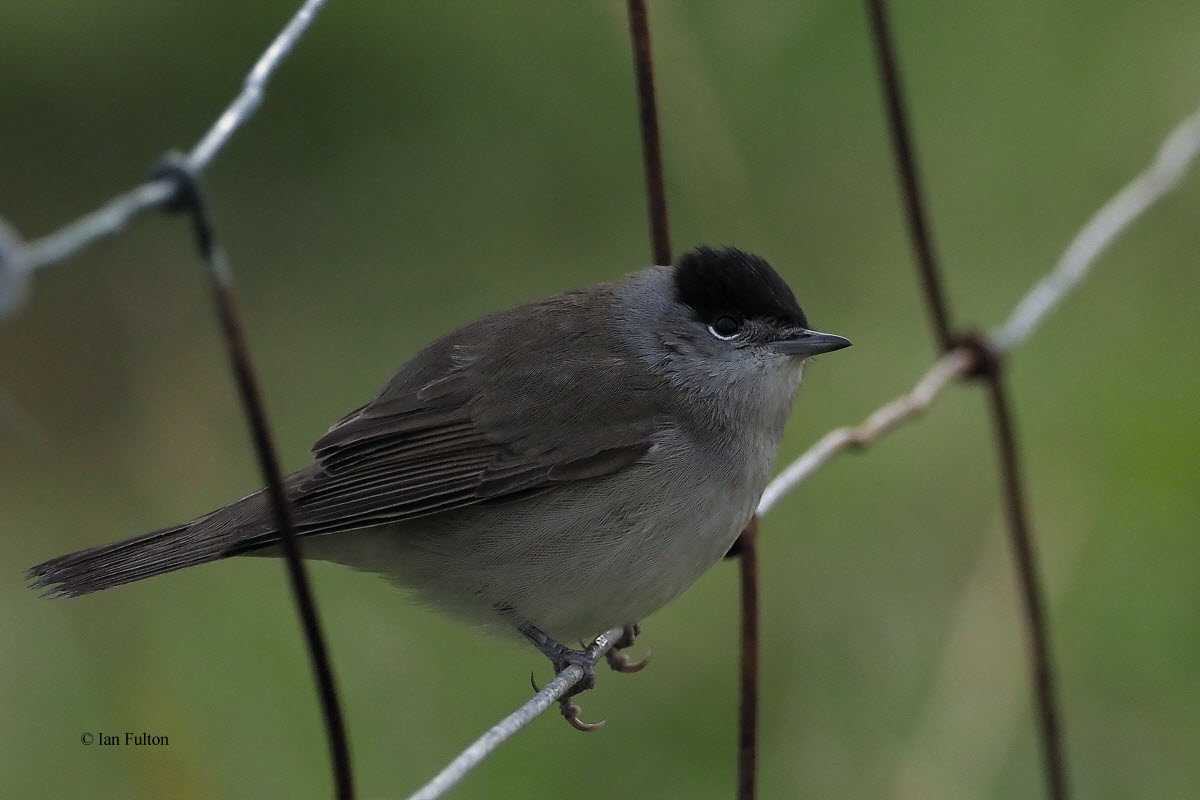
x: 559, y: 468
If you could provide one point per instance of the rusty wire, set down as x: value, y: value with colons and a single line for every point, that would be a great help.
x: 988, y: 367
x: 906, y: 165
x: 656, y: 193
x: 745, y: 548
x: 747, y: 769
x: 189, y: 199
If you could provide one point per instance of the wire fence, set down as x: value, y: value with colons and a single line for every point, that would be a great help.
x: 175, y: 187
x: 1177, y: 154
x: 964, y: 355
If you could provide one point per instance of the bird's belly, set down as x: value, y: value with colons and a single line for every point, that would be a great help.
x: 574, y: 561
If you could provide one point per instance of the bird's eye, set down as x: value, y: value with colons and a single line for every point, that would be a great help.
x: 725, y: 327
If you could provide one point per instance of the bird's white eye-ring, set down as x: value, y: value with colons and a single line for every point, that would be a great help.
x: 725, y: 328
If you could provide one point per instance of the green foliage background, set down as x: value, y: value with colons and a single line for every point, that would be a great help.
x: 418, y: 164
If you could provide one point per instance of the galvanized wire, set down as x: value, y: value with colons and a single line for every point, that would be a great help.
x: 18, y: 259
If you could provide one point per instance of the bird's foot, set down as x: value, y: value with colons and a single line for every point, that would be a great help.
x: 619, y: 660
x: 563, y: 657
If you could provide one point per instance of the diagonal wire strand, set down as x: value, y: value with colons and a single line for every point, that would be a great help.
x: 952, y: 365
x: 254, y: 87
x: 506, y: 728
x: 114, y: 215
x: 1175, y: 156
x: 1178, y: 152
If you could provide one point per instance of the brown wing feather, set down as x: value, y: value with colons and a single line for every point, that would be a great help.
x: 464, y: 423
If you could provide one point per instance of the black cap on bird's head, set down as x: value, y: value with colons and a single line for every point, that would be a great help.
x: 727, y: 288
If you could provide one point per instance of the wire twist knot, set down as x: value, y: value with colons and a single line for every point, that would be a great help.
x: 185, y: 183
x: 986, y: 358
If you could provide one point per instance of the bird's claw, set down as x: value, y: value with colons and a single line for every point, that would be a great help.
x: 570, y: 712
x: 621, y: 662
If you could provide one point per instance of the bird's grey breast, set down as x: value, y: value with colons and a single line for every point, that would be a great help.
x: 591, y: 554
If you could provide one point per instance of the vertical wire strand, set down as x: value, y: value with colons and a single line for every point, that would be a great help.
x: 656, y: 194
x: 1029, y: 587
x: 987, y: 367
x: 660, y: 243
x: 748, y: 687
x: 910, y: 184
x: 189, y: 199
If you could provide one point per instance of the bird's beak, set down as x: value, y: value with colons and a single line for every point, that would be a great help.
x: 802, y: 342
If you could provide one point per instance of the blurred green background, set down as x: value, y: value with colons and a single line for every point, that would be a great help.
x: 416, y: 165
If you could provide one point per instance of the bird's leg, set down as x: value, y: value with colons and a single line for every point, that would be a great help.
x: 616, y: 657
x: 563, y: 657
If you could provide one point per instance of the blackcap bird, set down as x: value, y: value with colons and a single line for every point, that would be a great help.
x: 559, y: 468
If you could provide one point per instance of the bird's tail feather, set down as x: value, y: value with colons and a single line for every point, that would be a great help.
x: 145, y: 556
